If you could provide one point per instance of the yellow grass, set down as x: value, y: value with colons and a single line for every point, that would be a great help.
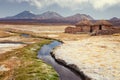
x: 4, y: 34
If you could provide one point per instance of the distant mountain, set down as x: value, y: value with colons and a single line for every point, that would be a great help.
x: 114, y: 18
x: 48, y: 17
x: 115, y: 21
x: 78, y: 17
x: 51, y: 17
x: 23, y: 15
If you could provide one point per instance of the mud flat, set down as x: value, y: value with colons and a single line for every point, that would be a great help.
x: 9, y: 47
x: 97, y: 58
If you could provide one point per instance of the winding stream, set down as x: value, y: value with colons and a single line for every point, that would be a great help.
x: 64, y: 72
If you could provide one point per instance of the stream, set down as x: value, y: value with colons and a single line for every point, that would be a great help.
x: 64, y: 72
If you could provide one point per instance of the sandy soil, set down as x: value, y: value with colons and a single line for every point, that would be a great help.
x: 97, y: 57
x: 36, y: 28
x: 9, y: 47
x: 19, y: 39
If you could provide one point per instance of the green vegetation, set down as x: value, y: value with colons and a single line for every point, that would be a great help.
x: 31, y: 67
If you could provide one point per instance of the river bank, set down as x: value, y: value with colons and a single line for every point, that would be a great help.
x: 64, y: 72
x: 23, y: 64
x: 96, y: 57
x: 18, y: 58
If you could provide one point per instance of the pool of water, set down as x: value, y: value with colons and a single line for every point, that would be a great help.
x: 25, y: 35
x: 64, y: 72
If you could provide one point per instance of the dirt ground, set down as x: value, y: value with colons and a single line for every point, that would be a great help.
x: 52, y: 31
x: 95, y: 56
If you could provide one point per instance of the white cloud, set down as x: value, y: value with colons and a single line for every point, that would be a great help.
x: 72, y: 4
x: 102, y: 4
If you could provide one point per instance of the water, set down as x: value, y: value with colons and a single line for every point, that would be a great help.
x: 64, y: 73
x: 25, y: 35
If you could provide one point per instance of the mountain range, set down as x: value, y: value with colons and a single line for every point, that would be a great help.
x: 52, y: 17
x: 115, y: 21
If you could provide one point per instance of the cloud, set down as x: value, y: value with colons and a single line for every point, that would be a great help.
x: 72, y: 4
x: 102, y: 4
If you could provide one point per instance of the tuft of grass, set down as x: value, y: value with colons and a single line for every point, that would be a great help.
x: 33, y: 68
x: 117, y: 34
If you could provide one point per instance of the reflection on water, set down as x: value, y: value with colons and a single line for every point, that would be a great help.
x: 64, y: 73
x: 46, y: 49
x: 25, y: 35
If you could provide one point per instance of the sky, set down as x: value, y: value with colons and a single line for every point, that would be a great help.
x: 98, y: 9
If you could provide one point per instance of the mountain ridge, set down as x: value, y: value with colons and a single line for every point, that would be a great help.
x: 52, y: 17
x: 48, y: 15
x: 25, y: 14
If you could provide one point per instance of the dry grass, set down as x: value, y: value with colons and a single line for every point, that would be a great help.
x: 117, y: 34
x: 5, y: 34
x: 9, y: 47
x: 36, y: 28
x: 22, y: 64
x: 20, y: 39
x: 52, y: 31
